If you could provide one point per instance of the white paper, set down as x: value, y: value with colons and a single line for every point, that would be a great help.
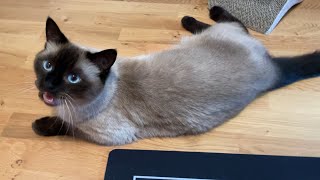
x: 288, y: 5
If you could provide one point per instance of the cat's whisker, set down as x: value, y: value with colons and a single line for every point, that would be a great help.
x: 63, y: 117
x: 21, y: 83
x: 68, y: 96
x: 25, y: 90
x: 71, y: 113
x: 29, y: 88
x: 14, y: 89
x: 72, y: 124
x: 27, y: 85
x: 74, y: 109
x: 55, y: 121
x: 69, y: 119
x: 30, y: 76
x: 19, y: 91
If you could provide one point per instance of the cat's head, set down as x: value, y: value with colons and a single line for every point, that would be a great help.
x: 65, y: 71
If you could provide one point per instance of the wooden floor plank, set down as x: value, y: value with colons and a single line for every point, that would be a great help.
x: 283, y: 122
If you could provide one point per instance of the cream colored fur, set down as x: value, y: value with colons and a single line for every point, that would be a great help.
x: 198, y: 84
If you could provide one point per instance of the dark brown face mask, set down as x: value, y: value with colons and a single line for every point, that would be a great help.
x: 61, y: 69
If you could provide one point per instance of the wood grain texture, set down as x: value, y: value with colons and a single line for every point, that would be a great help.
x: 283, y: 122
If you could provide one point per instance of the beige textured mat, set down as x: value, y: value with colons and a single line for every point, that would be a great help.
x: 258, y: 15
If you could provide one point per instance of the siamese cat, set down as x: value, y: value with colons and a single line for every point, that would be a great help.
x: 203, y: 81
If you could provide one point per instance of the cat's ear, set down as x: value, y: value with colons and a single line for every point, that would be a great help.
x: 103, y: 59
x: 53, y: 33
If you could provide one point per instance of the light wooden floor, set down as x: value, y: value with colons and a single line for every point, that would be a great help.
x: 283, y: 122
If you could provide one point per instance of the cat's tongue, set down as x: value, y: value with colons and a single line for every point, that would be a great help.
x: 48, y: 98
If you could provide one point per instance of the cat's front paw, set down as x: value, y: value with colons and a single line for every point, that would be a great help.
x: 48, y: 126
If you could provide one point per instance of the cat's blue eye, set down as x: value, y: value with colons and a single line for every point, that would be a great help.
x: 47, y: 66
x: 73, y: 78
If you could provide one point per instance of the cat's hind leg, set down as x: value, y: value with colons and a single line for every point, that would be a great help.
x: 217, y: 14
x: 220, y: 15
x: 192, y: 25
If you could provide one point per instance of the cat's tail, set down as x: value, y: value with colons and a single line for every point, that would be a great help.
x: 297, y: 68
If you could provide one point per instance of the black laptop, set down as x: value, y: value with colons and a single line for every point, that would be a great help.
x: 168, y: 165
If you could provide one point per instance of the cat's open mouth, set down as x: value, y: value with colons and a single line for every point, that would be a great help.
x: 48, y: 98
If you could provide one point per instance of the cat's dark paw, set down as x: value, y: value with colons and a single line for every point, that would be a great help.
x: 188, y: 21
x: 47, y: 126
x: 216, y: 13
x: 191, y: 24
